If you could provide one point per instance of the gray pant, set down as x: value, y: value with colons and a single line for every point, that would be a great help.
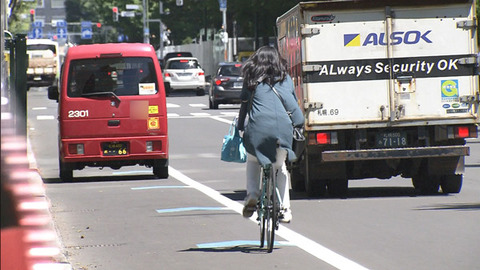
x: 283, y: 177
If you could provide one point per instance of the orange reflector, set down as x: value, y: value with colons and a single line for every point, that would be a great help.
x: 463, y: 132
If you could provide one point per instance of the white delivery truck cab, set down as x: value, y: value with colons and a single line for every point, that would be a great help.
x: 388, y: 88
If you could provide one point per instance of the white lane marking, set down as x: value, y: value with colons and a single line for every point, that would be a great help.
x: 229, y: 113
x: 308, y: 245
x: 227, y: 121
x: 172, y: 115
x: 38, y: 108
x: 171, y: 105
x: 200, y: 114
x: 197, y: 105
x: 45, y: 117
x: 160, y: 187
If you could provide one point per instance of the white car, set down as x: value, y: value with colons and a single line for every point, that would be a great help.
x: 184, y: 73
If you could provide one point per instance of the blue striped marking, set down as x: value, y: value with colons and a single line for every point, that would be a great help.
x: 240, y: 243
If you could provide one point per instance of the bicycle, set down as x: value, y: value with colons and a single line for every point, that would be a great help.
x: 268, y: 207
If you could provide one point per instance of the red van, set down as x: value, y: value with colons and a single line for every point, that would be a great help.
x: 112, y: 109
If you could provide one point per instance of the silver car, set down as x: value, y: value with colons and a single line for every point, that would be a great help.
x: 184, y: 73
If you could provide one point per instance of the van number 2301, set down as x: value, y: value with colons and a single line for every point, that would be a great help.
x: 77, y: 114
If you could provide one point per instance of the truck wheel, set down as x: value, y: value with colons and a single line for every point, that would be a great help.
x: 160, y: 168
x: 314, y: 185
x: 426, y: 185
x: 451, y: 183
x: 298, y: 183
x: 338, y: 187
x: 66, y: 171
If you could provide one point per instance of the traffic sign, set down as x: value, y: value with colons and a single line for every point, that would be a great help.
x: 61, y: 23
x: 62, y: 32
x: 86, y: 24
x: 86, y: 33
x: 37, y: 24
x: 223, y: 4
x: 37, y: 33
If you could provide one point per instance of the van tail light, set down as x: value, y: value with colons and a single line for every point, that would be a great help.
x: 323, y: 138
x: 153, y: 146
x: 458, y: 132
x: 219, y: 81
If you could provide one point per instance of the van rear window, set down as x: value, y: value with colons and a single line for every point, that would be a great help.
x: 124, y: 76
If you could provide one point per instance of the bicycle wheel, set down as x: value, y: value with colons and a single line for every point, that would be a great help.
x: 261, y: 209
x: 271, y: 215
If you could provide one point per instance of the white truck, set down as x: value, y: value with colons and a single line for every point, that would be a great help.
x: 388, y: 88
x: 43, y: 62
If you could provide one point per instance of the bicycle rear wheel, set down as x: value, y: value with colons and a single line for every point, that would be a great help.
x: 261, y: 209
x: 271, y: 215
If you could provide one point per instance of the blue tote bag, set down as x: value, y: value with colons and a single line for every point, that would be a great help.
x: 233, y: 149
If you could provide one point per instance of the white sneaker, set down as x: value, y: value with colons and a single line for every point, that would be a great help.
x: 285, y: 215
x: 250, y: 206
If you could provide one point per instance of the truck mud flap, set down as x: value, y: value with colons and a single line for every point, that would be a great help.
x: 395, y: 153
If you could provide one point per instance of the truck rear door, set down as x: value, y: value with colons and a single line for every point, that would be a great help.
x: 385, y: 65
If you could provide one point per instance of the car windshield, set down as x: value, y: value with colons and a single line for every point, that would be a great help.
x: 230, y: 70
x: 183, y: 64
x: 124, y: 76
x: 41, y: 47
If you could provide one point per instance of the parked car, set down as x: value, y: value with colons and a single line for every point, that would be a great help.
x: 226, y: 85
x: 184, y: 73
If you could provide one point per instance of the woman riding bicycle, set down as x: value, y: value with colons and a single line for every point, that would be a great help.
x: 268, y: 131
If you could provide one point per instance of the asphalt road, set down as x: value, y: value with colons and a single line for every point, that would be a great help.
x: 126, y: 219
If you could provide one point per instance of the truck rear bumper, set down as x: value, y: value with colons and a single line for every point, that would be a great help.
x: 395, y: 153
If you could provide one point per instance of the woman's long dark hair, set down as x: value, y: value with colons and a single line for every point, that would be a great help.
x: 265, y: 65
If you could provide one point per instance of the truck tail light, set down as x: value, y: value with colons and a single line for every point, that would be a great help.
x: 76, y: 149
x: 462, y: 132
x: 330, y: 137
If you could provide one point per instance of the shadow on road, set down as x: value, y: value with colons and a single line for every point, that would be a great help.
x: 112, y: 178
x: 453, y: 206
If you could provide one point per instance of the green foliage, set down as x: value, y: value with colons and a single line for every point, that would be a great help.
x: 19, y: 21
x: 255, y: 18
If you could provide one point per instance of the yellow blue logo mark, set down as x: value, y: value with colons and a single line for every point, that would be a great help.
x: 449, y: 89
x: 351, y: 40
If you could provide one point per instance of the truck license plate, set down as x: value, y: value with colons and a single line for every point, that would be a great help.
x: 391, y: 139
x: 115, y: 149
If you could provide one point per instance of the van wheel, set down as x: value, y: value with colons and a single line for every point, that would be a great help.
x: 160, y: 168
x: 66, y: 171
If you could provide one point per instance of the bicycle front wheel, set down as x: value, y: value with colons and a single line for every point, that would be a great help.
x: 272, y: 210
